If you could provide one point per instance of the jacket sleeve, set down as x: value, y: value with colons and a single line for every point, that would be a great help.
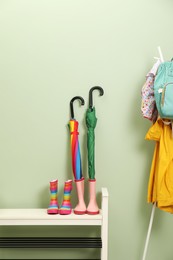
x: 155, y: 131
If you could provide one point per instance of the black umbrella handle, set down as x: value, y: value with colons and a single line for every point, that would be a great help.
x: 71, y: 105
x: 91, y: 96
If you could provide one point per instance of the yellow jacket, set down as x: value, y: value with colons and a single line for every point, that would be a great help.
x: 160, y: 186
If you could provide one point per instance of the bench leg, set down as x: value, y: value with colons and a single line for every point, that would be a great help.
x: 104, y: 227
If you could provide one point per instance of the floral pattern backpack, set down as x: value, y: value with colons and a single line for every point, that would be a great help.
x: 148, y: 103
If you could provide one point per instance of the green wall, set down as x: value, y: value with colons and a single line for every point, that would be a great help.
x: 51, y: 51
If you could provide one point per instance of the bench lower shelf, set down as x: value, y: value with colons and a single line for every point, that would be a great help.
x: 51, y: 242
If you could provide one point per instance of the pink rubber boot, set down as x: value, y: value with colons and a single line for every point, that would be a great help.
x: 80, y: 209
x: 92, y: 208
x: 53, y: 206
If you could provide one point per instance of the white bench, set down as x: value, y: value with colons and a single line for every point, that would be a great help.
x: 37, y: 217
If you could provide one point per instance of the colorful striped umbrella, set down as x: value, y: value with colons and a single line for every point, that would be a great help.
x: 74, y: 140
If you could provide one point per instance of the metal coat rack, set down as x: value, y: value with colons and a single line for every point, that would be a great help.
x: 154, y: 204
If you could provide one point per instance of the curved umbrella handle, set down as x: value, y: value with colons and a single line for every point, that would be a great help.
x: 91, y: 97
x: 71, y: 104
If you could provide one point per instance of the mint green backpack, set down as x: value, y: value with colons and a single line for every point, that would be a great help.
x: 163, y: 90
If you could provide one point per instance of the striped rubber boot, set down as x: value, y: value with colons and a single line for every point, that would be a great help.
x: 66, y: 207
x: 53, y: 205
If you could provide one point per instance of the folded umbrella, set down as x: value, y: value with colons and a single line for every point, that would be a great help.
x: 76, y: 158
x: 91, y: 122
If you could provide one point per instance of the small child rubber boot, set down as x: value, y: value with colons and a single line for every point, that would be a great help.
x: 80, y: 209
x: 92, y: 208
x: 53, y: 205
x: 66, y: 207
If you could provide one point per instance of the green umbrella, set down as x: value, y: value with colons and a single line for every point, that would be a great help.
x: 91, y: 122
